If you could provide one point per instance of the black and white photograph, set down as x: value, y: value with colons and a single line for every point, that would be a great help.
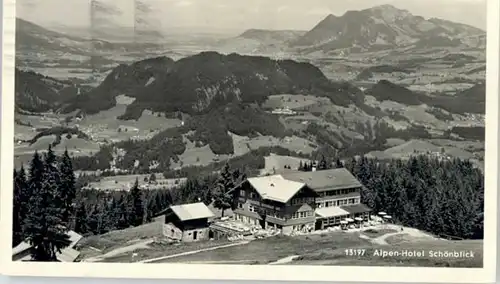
x: 235, y: 135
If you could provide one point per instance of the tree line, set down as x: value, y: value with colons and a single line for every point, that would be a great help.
x: 439, y: 196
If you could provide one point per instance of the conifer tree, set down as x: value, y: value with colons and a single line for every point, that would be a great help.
x: 152, y: 178
x: 123, y: 220
x: 67, y: 189
x: 338, y: 164
x: 81, y: 221
x: 222, y: 198
x: 20, y: 205
x: 16, y: 212
x: 44, y: 228
x: 137, y: 217
x: 323, y: 164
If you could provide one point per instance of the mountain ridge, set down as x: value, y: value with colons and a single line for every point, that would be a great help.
x: 38, y: 93
x: 33, y: 38
x: 198, y: 83
x: 383, y: 25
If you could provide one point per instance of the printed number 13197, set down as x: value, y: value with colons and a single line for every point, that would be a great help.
x: 355, y: 252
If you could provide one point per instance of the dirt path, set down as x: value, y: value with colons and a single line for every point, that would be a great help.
x: 122, y: 250
x: 191, y: 252
x: 381, y: 240
x: 284, y: 260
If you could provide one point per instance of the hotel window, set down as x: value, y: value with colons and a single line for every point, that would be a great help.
x: 351, y: 200
x: 251, y: 194
x: 240, y: 205
x: 251, y: 208
x: 329, y: 204
x: 302, y: 214
x: 242, y: 193
x: 298, y: 201
x: 310, y: 213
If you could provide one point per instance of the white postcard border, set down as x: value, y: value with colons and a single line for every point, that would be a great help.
x: 252, y: 272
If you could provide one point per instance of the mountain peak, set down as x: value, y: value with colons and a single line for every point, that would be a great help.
x: 330, y: 17
x: 385, y: 7
x: 388, y: 12
x: 383, y: 26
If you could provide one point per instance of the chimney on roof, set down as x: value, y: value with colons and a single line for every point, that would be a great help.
x: 272, y: 184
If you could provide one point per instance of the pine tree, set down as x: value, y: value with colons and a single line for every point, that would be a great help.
x: 44, y: 228
x: 20, y: 205
x: 35, y: 174
x: 67, y: 188
x: 323, y: 164
x: 137, y: 217
x: 152, y: 178
x: 16, y: 213
x: 123, y: 220
x: 338, y: 164
x: 223, y: 199
x: 81, y: 221
x: 301, y: 166
x: 94, y: 220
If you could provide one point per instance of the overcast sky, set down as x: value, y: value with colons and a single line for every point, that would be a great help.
x: 232, y: 14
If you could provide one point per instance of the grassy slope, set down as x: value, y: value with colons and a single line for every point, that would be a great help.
x: 329, y: 249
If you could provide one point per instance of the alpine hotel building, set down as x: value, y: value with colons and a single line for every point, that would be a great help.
x: 300, y: 201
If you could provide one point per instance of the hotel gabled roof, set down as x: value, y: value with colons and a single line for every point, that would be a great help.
x: 325, y: 179
x: 275, y: 187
